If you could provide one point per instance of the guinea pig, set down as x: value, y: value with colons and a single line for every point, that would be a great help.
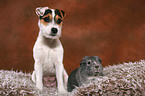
x: 89, y: 67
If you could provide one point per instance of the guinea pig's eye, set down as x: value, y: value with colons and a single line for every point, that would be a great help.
x: 47, y: 19
x: 89, y: 62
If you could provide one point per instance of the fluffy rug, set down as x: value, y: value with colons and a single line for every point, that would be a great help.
x: 122, y: 79
x: 126, y: 79
x: 20, y: 84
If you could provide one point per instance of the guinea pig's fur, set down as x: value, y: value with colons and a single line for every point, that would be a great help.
x: 89, y: 67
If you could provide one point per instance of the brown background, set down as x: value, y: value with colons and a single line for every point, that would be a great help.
x: 111, y: 29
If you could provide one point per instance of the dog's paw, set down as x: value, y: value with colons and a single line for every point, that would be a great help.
x: 33, y: 77
x: 39, y: 86
x: 62, y: 92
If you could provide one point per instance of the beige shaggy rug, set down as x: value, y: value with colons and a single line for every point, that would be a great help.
x: 127, y: 79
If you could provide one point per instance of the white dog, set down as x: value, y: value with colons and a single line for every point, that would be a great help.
x: 48, y: 50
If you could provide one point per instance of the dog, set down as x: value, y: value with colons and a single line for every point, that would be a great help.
x: 48, y: 50
x: 90, y: 67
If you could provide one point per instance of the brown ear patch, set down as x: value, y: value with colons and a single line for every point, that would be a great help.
x: 60, y: 13
x: 63, y: 13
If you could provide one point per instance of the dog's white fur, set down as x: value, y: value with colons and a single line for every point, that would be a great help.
x: 48, y: 54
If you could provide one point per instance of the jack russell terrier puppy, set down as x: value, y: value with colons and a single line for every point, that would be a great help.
x: 48, y: 50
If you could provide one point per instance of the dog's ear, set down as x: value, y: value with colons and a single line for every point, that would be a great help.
x: 41, y: 10
x: 60, y: 13
x: 98, y: 59
x: 63, y: 13
x: 84, y: 60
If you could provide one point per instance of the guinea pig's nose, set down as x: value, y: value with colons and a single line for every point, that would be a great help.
x: 96, y: 66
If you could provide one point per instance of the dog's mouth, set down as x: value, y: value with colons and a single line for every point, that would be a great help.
x: 52, y: 34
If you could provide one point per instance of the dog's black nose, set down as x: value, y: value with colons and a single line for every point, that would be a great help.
x: 54, y: 30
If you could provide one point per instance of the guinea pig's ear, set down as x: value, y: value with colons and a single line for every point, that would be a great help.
x: 84, y: 60
x: 98, y: 58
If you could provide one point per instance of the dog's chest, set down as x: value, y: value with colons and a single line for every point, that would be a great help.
x: 47, y: 55
x: 48, y: 64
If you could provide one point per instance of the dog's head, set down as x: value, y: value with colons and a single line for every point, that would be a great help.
x: 91, y: 66
x: 50, y: 22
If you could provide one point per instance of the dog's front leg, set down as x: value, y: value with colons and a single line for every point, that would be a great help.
x: 59, y: 75
x: 65, y: 78
x: 39, y: 75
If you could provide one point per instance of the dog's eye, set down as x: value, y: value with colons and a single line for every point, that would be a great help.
x: 59, y: 21
x: 47, y: 19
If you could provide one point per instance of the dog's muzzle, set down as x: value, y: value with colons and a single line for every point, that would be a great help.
x: 54, y: 31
